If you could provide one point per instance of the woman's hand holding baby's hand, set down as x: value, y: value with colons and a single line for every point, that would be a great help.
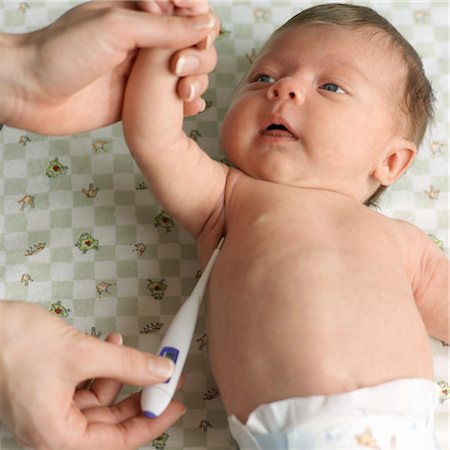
x: 43, y: 361
x: 191, y: 64
x: 71, y: 76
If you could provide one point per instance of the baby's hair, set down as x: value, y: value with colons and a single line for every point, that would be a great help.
x: 417, y: 96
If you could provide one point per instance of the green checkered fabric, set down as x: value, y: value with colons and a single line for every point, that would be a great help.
x: 82, y: 236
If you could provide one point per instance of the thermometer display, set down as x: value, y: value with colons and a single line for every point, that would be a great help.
x: 171, y: 353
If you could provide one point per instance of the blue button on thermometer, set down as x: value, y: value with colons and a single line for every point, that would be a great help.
x: 175, y: 345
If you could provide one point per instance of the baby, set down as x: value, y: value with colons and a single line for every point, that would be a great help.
x: 307, y: 327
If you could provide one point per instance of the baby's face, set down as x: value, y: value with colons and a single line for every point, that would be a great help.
x: 318, y: 108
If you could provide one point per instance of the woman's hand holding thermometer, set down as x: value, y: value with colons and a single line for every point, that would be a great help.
x: 175, y: 345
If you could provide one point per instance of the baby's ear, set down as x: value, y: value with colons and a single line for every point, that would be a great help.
x: 399, y: 157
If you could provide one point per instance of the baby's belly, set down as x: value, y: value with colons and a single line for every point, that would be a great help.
x: 307, y: 323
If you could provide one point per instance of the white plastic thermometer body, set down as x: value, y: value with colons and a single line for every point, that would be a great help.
x: 175, y: 345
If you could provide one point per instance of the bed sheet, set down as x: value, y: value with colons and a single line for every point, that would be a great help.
x: 82, y: 236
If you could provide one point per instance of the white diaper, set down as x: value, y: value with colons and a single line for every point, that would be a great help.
x: 394, y: 415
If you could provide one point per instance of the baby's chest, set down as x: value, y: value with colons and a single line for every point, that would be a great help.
x: 286, y: 221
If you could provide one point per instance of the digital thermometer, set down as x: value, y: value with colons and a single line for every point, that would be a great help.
x: 175, y: 345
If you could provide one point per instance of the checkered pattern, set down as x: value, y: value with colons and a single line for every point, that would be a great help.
x: 94, y: 236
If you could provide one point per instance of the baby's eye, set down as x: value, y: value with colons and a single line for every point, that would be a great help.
x: 264, y: 79
x: 332, y: 88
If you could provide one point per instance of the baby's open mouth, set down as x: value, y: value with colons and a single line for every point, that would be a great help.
x: 277, y: 130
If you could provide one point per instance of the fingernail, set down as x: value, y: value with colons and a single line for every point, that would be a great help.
x: 115, y: 338
x: 192, y: 92
x: 186, y: 64
x: 203, y: 107
x: 161, y: 367
x: 209, y: 40
x: 203, y: 21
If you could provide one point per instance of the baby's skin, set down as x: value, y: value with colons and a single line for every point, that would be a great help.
x: 304, y: 303
x: 313, y: 292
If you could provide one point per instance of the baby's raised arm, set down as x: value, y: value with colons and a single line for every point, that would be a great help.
x: 184, y: 179
x: 431, y: 288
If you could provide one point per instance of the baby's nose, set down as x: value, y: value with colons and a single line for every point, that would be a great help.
x: 285, y: 89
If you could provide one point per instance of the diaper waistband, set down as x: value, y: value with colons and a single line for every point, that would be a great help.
x: 399, y: 403
x: 410, y: 397
x: 380, y: 432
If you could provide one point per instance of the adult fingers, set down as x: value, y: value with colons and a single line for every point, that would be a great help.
x: 191, y: 88
x: 179, y: 7
x: 156, y: 6
x: 106, y: 389
x: 143, y: 30
x: 193, y: 108
x: 191, y: 7
x: 98, y: 359
x: 102, y: 391
x: 191, y: 61
x: 192, y: 64
x: 211, y: 38
x: 131, y: 433
x: 122, y: 411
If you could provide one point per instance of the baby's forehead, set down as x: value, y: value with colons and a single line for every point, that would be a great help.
x: 367, y: 46
x: 366, y: 35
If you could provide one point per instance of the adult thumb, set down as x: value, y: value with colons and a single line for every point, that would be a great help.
x: 100, y: 359
x: 174, y: 32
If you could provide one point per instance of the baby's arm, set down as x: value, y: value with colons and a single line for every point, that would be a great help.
x: 186, y: 181
x: 431, y: 289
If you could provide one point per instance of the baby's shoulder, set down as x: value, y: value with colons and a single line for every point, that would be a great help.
x: 413, y: 239
x: 406, y: 229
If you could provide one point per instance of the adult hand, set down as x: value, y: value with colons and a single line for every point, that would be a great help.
x: 70, y: 76
x: 176, y: 7
x: 187, y: 63
x: 40, y: 370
